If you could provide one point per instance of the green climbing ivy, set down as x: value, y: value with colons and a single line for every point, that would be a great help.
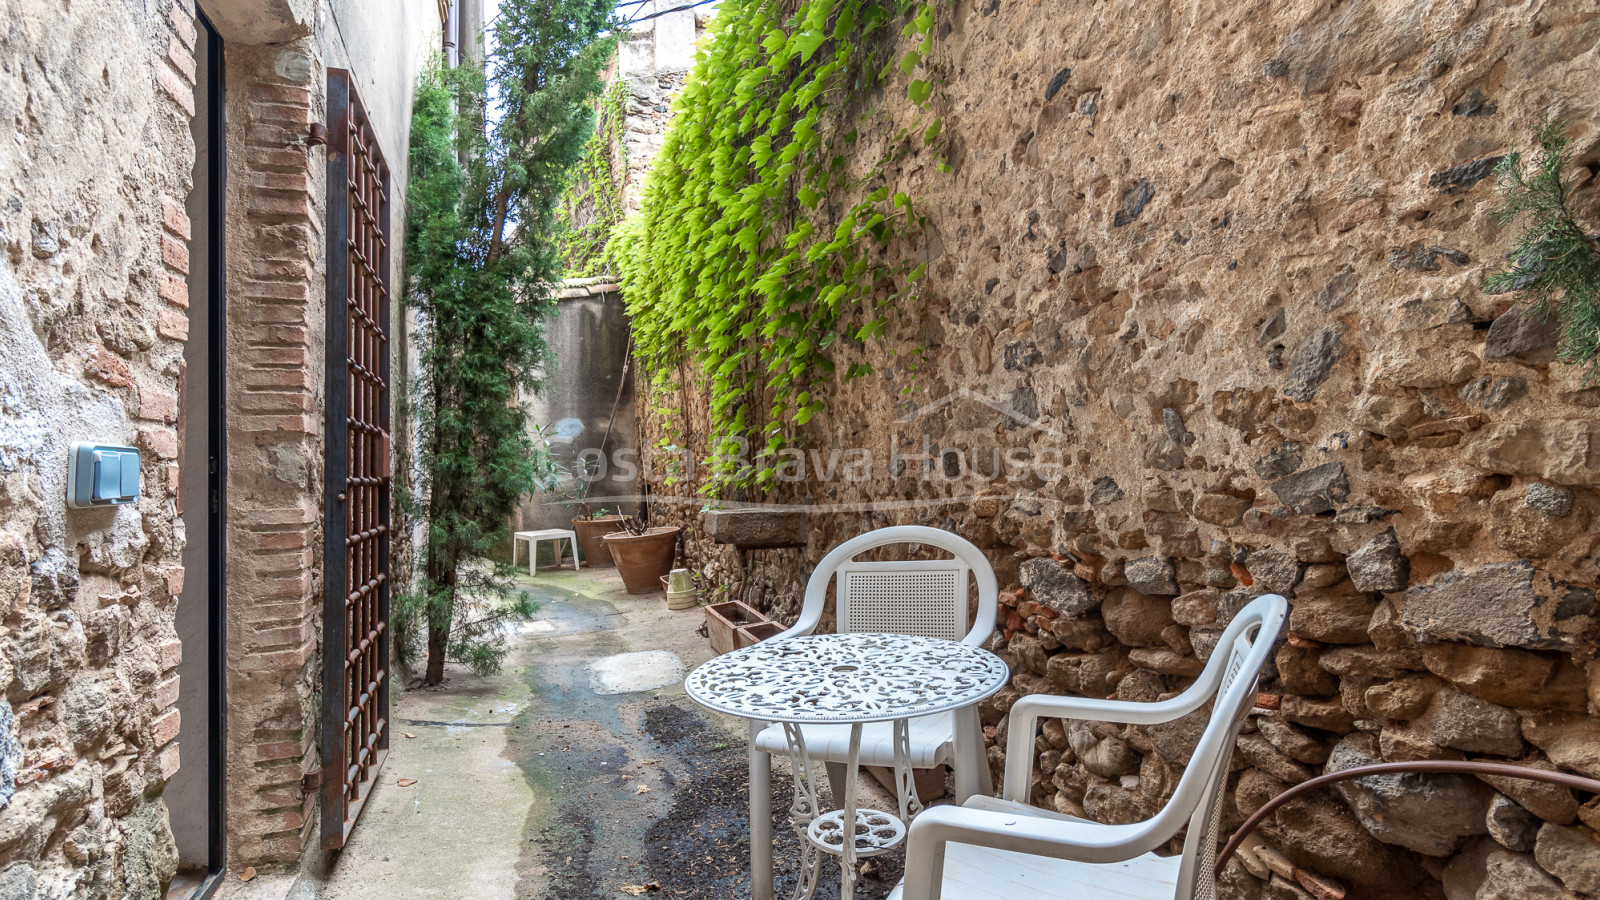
x: 595, y: 195
x: 1556, y: 261
x: 756, y: 252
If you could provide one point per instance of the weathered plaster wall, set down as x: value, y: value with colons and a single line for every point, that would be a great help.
x: 98, y: 100
x: 586, y: 411
x: 1226, y: 260
x: 385, y: 44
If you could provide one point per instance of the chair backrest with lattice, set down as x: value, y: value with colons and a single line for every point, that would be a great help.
x: 920, y: 597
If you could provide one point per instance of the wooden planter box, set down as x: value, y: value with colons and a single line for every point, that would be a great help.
x: 749, y: 635
x: 929, y: 782
x: 723, y: 621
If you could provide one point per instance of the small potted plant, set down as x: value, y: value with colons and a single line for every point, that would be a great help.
x: 643, y: 554
x: 591, y: 527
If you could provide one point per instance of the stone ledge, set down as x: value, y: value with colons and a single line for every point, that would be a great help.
x: 758, y: 528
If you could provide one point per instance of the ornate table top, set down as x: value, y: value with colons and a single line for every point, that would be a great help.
x: 843, y: 678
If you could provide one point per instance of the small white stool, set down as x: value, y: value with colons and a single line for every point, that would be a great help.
x: 549, y: 534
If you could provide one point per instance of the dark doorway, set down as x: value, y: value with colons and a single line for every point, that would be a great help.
x: 194, y: 795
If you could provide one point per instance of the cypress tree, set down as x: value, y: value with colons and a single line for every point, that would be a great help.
x: 490, y: 155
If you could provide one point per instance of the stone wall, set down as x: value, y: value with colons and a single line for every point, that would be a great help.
x: 91, y: 291
x: 1225, y: 261
x: 93, y: 295
x: 649, y: 110
x: 654, y: 59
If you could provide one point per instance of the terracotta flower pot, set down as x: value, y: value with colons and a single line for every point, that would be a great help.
x: 591, y: 537
x: 643, y: 559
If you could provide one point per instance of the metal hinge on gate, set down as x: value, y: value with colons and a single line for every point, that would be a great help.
x: 311, y: 781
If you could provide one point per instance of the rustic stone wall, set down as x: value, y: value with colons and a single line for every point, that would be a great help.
x: 91, y: 292
x: 93, y: 295
x: 654, y: 59
x: 649, y: 106
x: 1225, y: 260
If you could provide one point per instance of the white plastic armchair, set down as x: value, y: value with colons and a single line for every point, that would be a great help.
x: 1005, y: 849
x: 919, y: 597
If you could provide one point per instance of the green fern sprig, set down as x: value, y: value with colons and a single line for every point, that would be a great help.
x: 1555, y: 264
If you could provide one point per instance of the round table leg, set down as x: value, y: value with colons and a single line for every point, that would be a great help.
x: 760, y: 818
x: 847, y: 855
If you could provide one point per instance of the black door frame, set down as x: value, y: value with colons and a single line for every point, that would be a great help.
x: 217, y: 335
x: 216, y: 338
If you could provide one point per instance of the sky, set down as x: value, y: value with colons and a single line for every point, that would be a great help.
x: 491, y: 8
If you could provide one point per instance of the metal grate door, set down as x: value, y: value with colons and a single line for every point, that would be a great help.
x: 355, y: 637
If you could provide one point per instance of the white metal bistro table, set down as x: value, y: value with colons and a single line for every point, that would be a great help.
x: 851, y: 679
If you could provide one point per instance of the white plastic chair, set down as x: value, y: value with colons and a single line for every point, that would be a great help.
x: 920, y: 597
x: 1005, y: 849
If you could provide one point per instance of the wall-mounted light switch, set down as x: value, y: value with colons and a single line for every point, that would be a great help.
x: 101, y: 475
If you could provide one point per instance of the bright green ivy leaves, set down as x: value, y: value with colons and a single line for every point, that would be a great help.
x: 755, y: 250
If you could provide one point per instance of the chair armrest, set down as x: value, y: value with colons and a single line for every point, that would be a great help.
x: 798, y: 629
x: 937, y: 826
x: 1036, y: 706
x: 1027, y: 711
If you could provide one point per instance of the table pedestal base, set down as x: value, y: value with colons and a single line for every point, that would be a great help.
x: 822, y: 832
x: 876, y: 832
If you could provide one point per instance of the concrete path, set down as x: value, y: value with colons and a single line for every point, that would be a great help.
x: 581, y: 771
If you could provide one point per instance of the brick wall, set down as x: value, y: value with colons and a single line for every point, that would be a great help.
x: 275, y: 309
x: 176, y: 78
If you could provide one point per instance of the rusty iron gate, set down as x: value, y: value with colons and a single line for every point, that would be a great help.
x: 355, y: 638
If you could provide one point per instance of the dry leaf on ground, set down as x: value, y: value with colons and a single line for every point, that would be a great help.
x: 406, y: 782
x: 248, y: 874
